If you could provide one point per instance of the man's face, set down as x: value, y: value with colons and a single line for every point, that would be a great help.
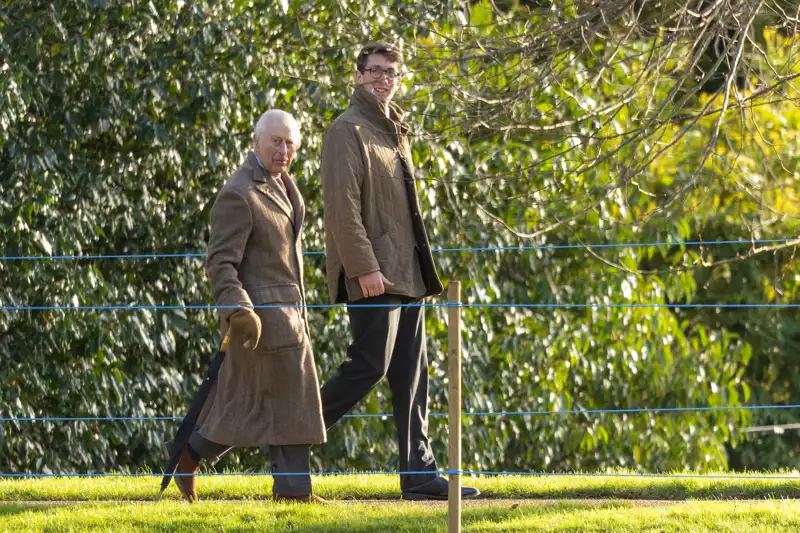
x: 380, y: 77
x: 276, y: 148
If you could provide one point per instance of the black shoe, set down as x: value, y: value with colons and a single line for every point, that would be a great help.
x: 436, y: 489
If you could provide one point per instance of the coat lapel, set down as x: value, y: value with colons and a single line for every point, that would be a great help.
x: 295, y: 198
x: 260, y: 178
x: 266, y: 190
x: 297, y: 201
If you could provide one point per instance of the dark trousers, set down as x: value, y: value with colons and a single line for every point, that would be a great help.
x: 390, y: 342
x: 291, y: 459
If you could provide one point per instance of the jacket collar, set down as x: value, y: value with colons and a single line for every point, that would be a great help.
x: 260, y: 176
x: 369, y: 105
x: 258, y: 172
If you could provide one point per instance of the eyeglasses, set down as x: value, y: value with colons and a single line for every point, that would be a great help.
x: 378, y: 73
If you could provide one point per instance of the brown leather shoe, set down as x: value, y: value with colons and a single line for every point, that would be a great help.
x: 186, y: 465
x: 308, y: 498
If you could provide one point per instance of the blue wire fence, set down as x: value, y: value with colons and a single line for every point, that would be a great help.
x: 564, y: 412
x: 445, y: 472
x: 585, y: 412
x: 579, y: 305
x: 587, y: 246
x: 413, y: 472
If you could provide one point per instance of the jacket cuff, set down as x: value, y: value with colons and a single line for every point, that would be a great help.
x: 354, y: 269
x: 234, y: 304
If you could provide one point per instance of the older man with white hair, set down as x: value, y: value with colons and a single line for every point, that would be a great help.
x: 267, y: 393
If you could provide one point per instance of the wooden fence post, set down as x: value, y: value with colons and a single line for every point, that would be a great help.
x: 454, y: 405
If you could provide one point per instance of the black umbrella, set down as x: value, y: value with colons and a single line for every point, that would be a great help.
x: 190, y: 420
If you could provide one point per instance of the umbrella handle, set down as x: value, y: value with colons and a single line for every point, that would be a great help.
x: 226, y: 340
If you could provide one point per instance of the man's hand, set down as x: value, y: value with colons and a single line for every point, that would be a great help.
x: 245, y: 324
x: 373, y: 284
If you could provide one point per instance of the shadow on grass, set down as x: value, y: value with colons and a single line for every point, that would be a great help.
x: 489, y: 518
x: 269, y: 518
x: 418, y: 518
x: 11, y: 509
x: 674, y: 490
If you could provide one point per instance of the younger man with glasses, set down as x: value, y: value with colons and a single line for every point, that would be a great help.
x: 378, y: 253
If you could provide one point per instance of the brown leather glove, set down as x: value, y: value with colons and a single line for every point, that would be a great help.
x: 246, y: 325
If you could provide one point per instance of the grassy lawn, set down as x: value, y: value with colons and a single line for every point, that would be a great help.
x: 372, y: 487
x: 240, y: 504
x: 398, y: 517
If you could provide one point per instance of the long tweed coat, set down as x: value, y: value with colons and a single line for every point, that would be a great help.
x: 270, y: 395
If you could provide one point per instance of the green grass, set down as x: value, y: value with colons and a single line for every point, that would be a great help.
x: 399, y: 517
x: 372, y: 487
x: 240, y: 504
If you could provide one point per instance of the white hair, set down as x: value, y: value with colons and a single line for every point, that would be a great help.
x: 278, y: 116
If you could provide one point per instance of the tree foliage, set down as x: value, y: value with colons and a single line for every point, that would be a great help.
x: 536, y: 123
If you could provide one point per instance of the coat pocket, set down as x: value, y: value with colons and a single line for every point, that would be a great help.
x: 282, y: 328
